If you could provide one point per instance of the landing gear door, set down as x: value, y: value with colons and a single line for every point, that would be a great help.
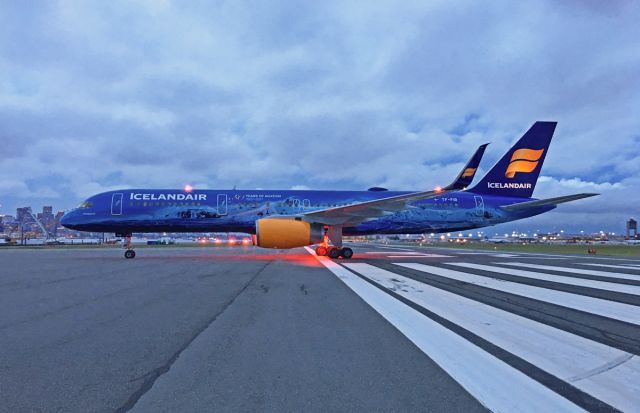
x: 116, y: 204
x: 479, y: 205
x: 222, y: 204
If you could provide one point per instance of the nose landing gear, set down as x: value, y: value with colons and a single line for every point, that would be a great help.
x: 128, y: 246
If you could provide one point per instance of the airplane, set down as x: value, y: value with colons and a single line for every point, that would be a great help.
x: 295, y: 218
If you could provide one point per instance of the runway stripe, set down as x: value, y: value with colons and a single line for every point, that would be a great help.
x: 574, y: 270
x: 392, y: 252
x: 483, y: 375
x: 605, y: 308
x: 491, y: 254
x: 572, y: 358
x: 601, y: 285
x: 419, y: 256
x: 625, y: 267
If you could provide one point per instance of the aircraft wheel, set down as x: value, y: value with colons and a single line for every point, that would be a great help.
x: 129, y: 254
x: 321, y: 251
x: 346, y: 253
x: 334, y: 253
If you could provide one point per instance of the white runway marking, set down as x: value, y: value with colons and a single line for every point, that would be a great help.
x: 481, y: 374
x: 605, y: 308
x: 392, y: 248
x: 567, y: 356
x: 392, y: 252
x: 600, y: 285
x: 573, y: 270
x: 624, y: 267
x: 491, y: 254
x: 419, y: 255
x: 411, y: 254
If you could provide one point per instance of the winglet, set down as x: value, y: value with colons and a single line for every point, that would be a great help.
x: 469, y: 171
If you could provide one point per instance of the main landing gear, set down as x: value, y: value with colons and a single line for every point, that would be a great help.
x: 334, y: 252
x: 333, y: 233
x: 128, y: 246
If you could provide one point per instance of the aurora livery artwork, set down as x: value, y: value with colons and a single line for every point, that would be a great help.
x: 290, y: 219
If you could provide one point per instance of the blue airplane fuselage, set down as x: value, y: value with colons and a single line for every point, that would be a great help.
x: 146, y: 210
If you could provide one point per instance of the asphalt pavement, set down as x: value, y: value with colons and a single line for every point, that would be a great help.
x: 244, y: 329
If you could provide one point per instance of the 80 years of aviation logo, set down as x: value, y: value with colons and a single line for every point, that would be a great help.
x: 523, y: 160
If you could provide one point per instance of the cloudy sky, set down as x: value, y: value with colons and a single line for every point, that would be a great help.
x: 326, y: 95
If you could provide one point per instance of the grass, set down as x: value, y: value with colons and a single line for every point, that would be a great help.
x: 579, y: 249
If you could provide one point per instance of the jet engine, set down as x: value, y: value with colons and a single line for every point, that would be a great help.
x: 287, y: 233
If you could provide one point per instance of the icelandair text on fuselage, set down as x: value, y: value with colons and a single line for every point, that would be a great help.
x: 168, y: 197
x: 514, y: 185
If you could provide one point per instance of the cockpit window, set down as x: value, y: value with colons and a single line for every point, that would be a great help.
x: 86, y: 204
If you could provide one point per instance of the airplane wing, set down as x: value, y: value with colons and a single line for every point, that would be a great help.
x: 359, y: 212
x: 356, y: 213
x: 548, y: 201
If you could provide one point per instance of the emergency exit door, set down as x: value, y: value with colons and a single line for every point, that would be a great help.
x: 479, y: 206
x: 222, y: 204
x: 116, y: 204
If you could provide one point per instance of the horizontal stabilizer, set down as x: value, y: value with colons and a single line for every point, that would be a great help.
x: 544, y: 202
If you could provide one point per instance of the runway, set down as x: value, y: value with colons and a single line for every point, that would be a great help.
x: 245, y: 329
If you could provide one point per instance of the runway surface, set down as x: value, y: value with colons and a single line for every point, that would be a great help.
x: 245, y: 329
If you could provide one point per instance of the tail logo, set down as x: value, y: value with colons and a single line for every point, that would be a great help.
x: 523, y: 161
x: 468, y: 172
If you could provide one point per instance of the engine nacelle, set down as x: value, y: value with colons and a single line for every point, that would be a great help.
x: 287, y: 233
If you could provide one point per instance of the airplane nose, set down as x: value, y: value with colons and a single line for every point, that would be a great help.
x: 67, y: 220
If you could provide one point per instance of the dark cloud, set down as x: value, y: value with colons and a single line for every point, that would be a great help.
x: 100, y: 95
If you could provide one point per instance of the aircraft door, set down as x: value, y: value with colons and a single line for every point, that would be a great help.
x: 479, y: 205
x: 116, y: 204
x: 222, y: 204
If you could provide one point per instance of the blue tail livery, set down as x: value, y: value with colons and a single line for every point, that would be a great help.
x: 517, y: 172
x: 290, y: 219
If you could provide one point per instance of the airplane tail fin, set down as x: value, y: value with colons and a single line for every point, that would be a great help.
x: 517, y: 172
x: 469, y: 171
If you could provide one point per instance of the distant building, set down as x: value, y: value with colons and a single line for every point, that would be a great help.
x: 22, y: 214
x: 632, y: 228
